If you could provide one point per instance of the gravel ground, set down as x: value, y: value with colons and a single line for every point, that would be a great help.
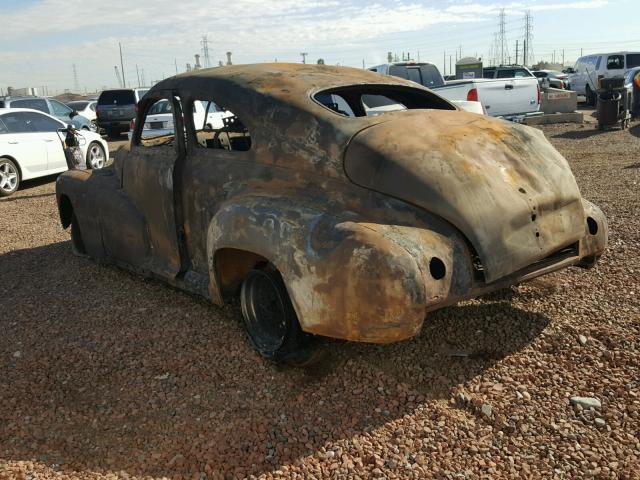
x: 104, y: 374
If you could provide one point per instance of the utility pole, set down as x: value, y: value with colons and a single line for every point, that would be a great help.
x: 528, y: 39
x: 115, y: 68
x: 205, y: 51
x: 563, y: 57
x: 524, y: 53
x: 304, y: 57
x: 76, y: 84
x: 516, y: 52
x: 175, y: 61
x: 138, y: 74
x: 124, y: 83
x: 144, y: 83
x: 363, y: 64
x: 502, y: 37
x: 450, y: 68
x: 444, y: 62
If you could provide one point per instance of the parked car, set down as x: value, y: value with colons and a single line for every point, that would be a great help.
x: 423, y: 73
x: 31, y: 146
x: 632, y: 83
x: 51, y: 107
x: 116, y: 109
x: 507, y: 98
x: 324, y: 220
x: 160, y: 118
x: 506, y: 71
x: 510, y: 98
x: 86, y: 108
x: 551, y: 78
x: 591, y: 68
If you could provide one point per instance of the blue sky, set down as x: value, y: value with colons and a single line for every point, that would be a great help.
x: 42, y: 39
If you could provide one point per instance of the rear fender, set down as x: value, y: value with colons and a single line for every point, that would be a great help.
x: 346, y: 279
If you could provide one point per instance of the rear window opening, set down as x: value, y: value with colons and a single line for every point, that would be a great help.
x: 117, y: 97
x: 372, y: 100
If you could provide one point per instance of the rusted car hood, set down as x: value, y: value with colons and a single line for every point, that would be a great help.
x: 503, y: 185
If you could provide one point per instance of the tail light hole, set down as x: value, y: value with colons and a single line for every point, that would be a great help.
x: 593, y: 226
x: 437, y: 268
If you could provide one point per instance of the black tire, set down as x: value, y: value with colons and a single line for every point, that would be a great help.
x: 271, y: 322
x: 9, y: 177
x: 77, y: 245
x: 591, y: 97
x: 96, y: 156
x: 113, y: 134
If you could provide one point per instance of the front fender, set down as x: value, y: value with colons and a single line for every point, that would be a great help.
x: 347, y: 279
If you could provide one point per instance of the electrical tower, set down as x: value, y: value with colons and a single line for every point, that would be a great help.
x: 304, y: 57
x: 205, y: 51
x: 503, y: 49
x: 528, y: 40
x: 115, y: 67
x: 76, y: 84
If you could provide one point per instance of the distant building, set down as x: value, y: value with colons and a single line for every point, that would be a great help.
x: 22, y: 92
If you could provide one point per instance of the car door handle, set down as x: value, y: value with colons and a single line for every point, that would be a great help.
x: 13, y: 142
x: 508, y: 86
x: 48, y: 140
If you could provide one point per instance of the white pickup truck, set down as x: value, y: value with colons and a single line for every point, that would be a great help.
x: 511, y: 98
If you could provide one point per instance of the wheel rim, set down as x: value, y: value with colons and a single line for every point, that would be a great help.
x: 8, y: 177
x: 264, y: 312
x: 96, y: 157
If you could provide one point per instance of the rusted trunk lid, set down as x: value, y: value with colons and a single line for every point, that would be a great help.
x: 502, y: 184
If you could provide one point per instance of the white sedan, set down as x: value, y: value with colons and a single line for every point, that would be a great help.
x: 31, y: 146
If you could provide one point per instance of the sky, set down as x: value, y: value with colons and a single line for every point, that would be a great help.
x: 43, y: 39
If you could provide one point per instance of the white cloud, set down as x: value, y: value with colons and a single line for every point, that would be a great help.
x: 154, y: 32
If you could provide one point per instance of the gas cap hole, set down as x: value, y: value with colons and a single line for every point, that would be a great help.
x: 593, y: 226
x: 522, y: 190
x: 437, y: 268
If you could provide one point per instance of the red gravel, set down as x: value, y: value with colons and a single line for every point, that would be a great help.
x: 104, y: 374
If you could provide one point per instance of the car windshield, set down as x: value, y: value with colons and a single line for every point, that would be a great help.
x: 117, y: 97
x: 370, y: 100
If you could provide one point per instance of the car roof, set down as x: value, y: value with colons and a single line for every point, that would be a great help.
x: 14, y: 110
x: 278, y: 80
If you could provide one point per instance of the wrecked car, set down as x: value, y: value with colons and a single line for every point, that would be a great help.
x: 333, y: 202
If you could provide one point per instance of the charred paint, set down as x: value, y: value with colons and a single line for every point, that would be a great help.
x: 354, y: 212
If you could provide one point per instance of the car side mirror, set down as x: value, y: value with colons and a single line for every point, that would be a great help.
x: 72, y: 114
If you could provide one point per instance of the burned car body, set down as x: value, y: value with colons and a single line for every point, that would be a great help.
x: 363, y: 222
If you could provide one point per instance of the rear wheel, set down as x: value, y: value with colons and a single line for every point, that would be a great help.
x: 271, y: 322
x: 77, y: 244
x: 96, y: 156
x: 9, y: 177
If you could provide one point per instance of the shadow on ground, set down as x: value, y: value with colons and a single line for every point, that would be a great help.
x: 118, y: 373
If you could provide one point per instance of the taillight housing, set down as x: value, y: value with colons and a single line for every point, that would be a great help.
x: 539, y: 94
x: 472, y: 95
x: 132, y: 125
x: 636, y: 79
